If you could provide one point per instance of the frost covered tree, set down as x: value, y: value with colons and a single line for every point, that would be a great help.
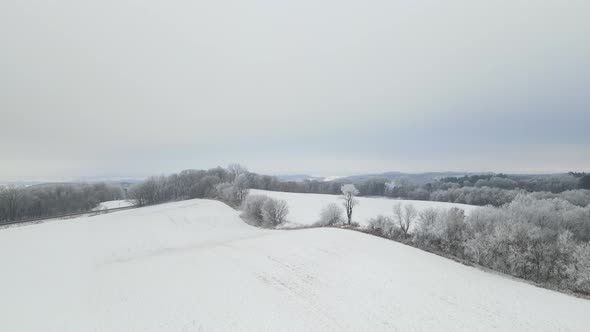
x: 454, y: 231
x: 427, y: 220
x: 331, y: 214
x: 252, y: 208
x: 349, y: 193
x: 274, y: 212
x: 581, y: 271
x: 262, y: 210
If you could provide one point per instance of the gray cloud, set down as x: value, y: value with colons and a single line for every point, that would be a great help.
x: 134, y: 88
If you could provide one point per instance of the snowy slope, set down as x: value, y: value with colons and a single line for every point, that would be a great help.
x: 304, y: 209
x: 195, y: 266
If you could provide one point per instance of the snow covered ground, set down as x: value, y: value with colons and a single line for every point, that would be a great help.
x: 113, y: 204
x: 304, y: 209
x: 196, y: 266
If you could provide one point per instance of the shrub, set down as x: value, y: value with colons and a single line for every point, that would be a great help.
x: 262, y: 210
x: 381, y: 225
x: 274, y: 212
x: 331, y: 214
x: 252, y: 208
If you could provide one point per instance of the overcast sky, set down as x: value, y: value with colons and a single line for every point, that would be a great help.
x: 133, y: 88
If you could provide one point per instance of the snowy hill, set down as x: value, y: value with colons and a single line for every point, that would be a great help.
x: 304, y: 209
x: 196, y: 266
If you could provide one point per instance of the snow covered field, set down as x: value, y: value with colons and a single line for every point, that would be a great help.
x: 196, y: 266
x: 113, y: 204
x: 304, y: 209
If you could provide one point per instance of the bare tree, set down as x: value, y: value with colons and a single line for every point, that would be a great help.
x: 349, y: 193
x: 404, y: 217
x: 146, y: 192
x: 241, y: 184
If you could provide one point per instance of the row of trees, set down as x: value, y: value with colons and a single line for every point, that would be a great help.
x: 555, y: 183
x: 497, y: 197
x: 474, y: 189
x: 492, y: 190
x: 18, y: 203
x: 543, y: 240
x: 475, y: 196
x: 229, y: 184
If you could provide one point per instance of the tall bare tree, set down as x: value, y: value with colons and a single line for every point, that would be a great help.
x: 404, y: 217
x: 349, y: 193
x: 241, y: 185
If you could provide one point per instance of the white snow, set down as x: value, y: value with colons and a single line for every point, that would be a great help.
x: 113, y: 204
x: 196, y: 266
x: 304, y: 209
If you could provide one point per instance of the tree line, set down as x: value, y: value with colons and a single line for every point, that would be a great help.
x: 232, y: 183
x: 38, y: 201
x: 480, y: 190
x: 229, y: 184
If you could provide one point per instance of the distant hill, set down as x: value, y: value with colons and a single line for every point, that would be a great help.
x: 418, y: 178
x: 298, y: 177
